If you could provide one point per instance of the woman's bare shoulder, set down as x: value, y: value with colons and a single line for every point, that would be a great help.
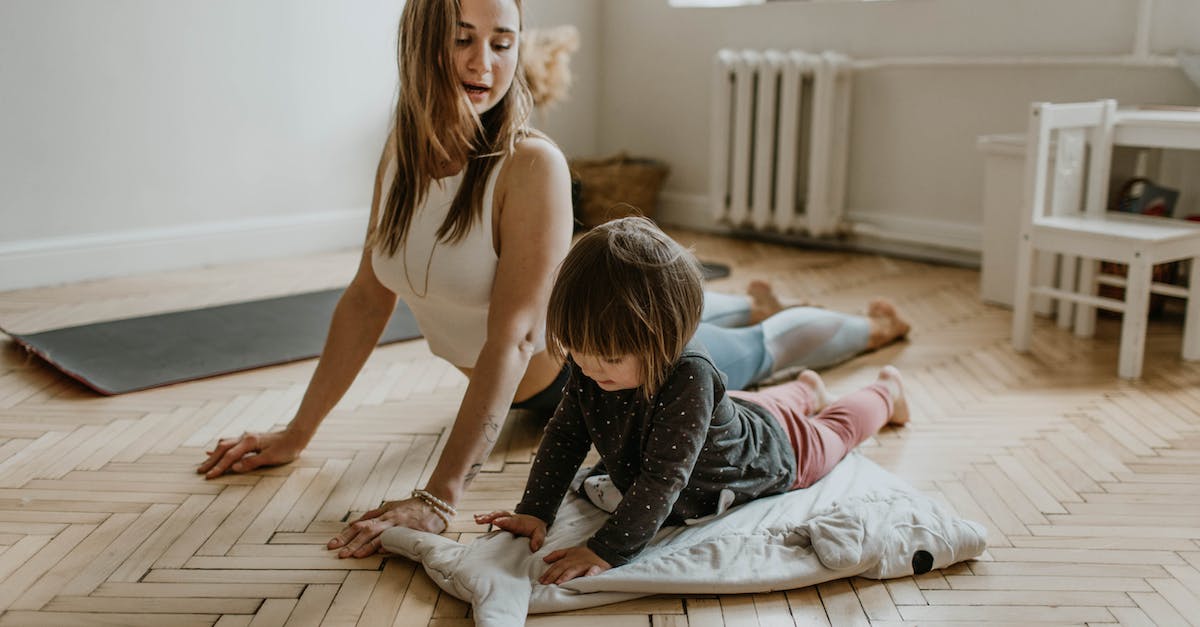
x: 536, y: 152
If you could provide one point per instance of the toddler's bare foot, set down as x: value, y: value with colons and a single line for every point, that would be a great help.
x: 816, y: 387
x: 763, y: 301
x: 887, y: 325
x: 889, y: 376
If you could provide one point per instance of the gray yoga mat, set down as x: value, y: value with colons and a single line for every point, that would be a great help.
x: 138, y: 353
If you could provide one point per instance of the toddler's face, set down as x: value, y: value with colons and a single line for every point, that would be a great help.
x: 622, y: 373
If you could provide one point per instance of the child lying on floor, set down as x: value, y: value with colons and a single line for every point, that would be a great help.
x: 623, y: 311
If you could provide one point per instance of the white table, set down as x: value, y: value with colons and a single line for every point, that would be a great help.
x: 1157, y: 128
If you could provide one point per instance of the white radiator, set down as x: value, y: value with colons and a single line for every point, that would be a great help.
x: 780, y: 132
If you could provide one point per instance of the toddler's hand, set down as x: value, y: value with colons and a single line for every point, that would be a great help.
x: 525, y: 525
x: 578, y: 561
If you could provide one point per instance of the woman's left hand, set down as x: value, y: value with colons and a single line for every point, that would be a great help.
x: 578, y: 561
x: 361, y: 537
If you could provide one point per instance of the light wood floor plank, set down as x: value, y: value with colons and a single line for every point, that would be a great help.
x: 51, y: 583
x: 91, y: 619
x: 313, y: 604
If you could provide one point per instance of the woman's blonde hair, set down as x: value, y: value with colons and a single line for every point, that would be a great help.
x: 626, y: 288
x: 435, y: 124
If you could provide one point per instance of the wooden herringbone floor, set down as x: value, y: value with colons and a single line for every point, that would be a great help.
x: 1089, y: 486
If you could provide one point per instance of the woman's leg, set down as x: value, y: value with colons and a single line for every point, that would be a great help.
x: 732, y: 310
x: 740, y: 353
x: 800, y: 336
x: 726, y: 310
x: 814, y: 338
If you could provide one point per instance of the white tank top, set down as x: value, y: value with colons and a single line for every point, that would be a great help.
x: 448, y: 287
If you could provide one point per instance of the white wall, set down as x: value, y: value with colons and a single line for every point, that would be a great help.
x: 574, y: 123
x: 913, y: 161
x: 142, y: 135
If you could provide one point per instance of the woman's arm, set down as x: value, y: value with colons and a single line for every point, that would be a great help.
x: 358, y: 321
x: 534, y: 234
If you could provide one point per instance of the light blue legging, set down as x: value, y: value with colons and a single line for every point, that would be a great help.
x: 799, y: 336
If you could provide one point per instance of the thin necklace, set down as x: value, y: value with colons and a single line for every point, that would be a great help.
x: 428, y: 266
x: 429, y: 261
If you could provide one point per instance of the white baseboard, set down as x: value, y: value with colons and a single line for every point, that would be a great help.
x: 37, y: 263
x: 939, y: 240
x: 919, y: 231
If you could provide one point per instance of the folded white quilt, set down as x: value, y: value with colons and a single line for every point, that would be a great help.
x: 858, y: 520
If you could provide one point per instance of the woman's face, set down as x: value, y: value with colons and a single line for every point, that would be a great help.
x: 485, y: 50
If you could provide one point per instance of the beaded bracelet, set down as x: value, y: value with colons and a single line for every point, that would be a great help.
x: 424, y: 495
x: 443, y: 509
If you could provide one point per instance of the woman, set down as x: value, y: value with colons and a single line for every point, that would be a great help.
x: 512, y: 238
x: 471, y: 216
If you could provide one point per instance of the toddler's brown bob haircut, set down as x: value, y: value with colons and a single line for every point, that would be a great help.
x: 626, y: 288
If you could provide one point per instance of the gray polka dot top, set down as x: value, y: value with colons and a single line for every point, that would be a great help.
x: 670, y: 457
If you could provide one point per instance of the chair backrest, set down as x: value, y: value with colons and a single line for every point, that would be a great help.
x: 1081, y: 136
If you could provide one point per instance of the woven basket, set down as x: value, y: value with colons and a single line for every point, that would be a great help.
x: 617, y: 187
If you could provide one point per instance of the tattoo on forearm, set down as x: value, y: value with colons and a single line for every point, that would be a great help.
x: 475, y: 468
x: 491, y: 430
x: 491, y: 433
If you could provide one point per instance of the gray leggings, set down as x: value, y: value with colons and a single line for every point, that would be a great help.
x: 799, y: 336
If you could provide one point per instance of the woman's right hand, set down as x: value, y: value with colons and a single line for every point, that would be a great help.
x: 525, y: 525
x: 250, y: 451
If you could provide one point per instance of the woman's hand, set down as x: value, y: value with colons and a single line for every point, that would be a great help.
x: 577, y: 561
x: 361, y: 537
x: 525, y: 525
x: 250, y: 451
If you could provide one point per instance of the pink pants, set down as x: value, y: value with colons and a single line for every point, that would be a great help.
x: 821, y: 441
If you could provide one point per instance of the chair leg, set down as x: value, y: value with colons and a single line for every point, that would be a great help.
x: 1022, y: 325
x: 1066, y: 281
x: 1191, y: 323
x: 1045, y: 272
x: 1133, y: 323
x: 1085, y: 315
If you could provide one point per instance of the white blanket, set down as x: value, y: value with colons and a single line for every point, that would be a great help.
x: 859, y: 520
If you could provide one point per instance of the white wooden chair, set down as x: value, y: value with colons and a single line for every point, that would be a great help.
x: 1068, y: 216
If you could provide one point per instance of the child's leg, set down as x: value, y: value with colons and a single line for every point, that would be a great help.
x: 823, y: 440
x: 803, y: 396
x: 850, y: 420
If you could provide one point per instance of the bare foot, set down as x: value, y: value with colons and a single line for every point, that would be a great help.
x: 889, y: 376
x: 887, y: 325
x: 816, y: 388
x: 763, y: 301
